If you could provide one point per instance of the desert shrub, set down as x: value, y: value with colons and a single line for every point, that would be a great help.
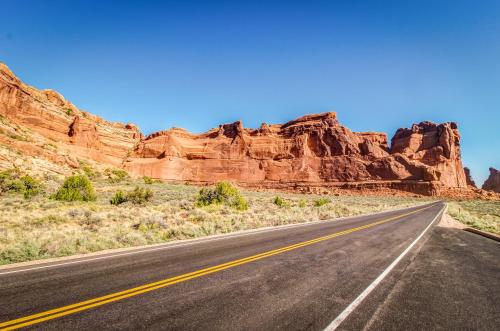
x: 69, y: 111
x: 280, y: 202
x: 148, y: 180
x: 223, y: 193
x: 12, y: 181
x: 9, y: 181
x: 31, y: 186
x: 139, y: 195
x: 90, y: 172
x: 75, y: 188
x: 118, y: 198
x: 302, y: 203
x: 116, y: 175
x: 321, y: 202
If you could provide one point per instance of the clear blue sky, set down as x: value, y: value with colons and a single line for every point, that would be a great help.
x: 380, y: 64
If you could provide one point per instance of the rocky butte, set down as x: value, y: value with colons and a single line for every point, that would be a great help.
x: 493, y: 181
x: 39, y: 129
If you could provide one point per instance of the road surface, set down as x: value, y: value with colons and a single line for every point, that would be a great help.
x: 304, y: 277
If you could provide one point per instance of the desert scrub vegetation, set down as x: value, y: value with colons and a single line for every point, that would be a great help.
x: 12, y: 181
x: 139, y: 195
x: 116, y: 175
x: 43, y: 228
x: 75, y: 188
x: 479, y: 214
x: 223, y: 193
x: 280, y: 202
x: 321, y: 202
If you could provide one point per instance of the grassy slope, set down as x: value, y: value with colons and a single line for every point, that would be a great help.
x: 41, y: 228
x: 478, y: 214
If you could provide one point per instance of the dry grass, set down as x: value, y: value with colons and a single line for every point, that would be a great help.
x: 42, y: 228
x: 478, y: 214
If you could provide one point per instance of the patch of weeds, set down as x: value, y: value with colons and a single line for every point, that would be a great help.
x: 280, y: 202
x: 50, y: 146
x: 148, y: 180
x: 321, y: 202
x: 139, y: 195
x: 118, y: 198
x: 116, y: 175
x: 50, y: 219
x: 302, y: 203
x: 89, y: 171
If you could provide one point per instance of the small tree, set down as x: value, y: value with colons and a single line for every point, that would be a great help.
x: 76, y: 188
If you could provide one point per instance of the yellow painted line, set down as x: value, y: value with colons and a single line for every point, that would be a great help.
x: 84, y: 305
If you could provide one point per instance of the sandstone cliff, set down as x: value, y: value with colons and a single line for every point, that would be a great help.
x: 45, y: 117
x: 314, y: 150
x: 309, y: 153
x: 493, y: 181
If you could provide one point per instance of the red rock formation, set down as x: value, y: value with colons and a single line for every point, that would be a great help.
x: 468, y: 178
x: 437, y: 146
x: 50, y: 115
x: 313, y: 152
x: 493, y: 181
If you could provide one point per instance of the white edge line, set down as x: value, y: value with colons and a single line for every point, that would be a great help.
x: 196, y: 241
x: 349, y: 309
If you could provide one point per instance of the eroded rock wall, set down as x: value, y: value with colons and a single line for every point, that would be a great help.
x: 314, y: 151
x: 48, y: 114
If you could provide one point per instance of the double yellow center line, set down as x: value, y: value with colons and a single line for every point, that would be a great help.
x: 96, y: 302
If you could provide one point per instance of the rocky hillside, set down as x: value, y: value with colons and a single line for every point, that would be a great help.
x: 41, y: 130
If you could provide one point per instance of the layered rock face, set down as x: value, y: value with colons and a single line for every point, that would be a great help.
x: 77, y: 134
x: 493, y: 181
x: 311, y: 152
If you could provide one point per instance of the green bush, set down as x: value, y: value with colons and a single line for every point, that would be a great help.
x: 302, y: 203
x: 148, y: 180
x: 321, y: 202
x: 12, y: 181
x: 31, y: 186
x: 139, y: 195
x: 75, y: 188
x: 118, y: 199
x: 222, y: 194
x: 116, y: 175
x: 280, y: 202
x: 90, y: 172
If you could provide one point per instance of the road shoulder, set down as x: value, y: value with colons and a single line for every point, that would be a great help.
x: 451, y: 283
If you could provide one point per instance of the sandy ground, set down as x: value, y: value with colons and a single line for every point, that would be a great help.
x: 449, y: 222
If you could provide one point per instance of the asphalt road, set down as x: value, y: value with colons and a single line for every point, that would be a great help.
x: 290, y: 278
